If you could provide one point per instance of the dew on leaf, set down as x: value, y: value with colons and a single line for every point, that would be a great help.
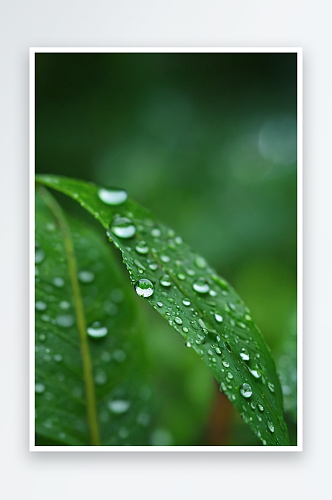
x: 245, y: 354
x: 218, y: 317
x: 201, y: 286
x: 100, y: 378
x: 58, y: 282
x: 270, y: 386
x: 160, y: 304
x: 153, y: 266
x: 181, y: 276
x: 144, y: 288
x: 40, y: 306
x: 119, y: 355
x: 85, y: 276
x: 39, y: 388
x: 246, y: 390
x: 260, y: 407
x: 165, y: 280
x: 178, y: 321
x: 64, y: 304
x: 200, y: 262
x: 165, y: 258
x: 96, y: 330
x: 39, y: 254
x: 112, y: 196
x: 57, y: 358
x: 186, y: 302
x: 122, y: 227
x: 142, y: 248
x: 270, y: 426
x: 119, y: 406
x: 185, y: 329
x: 65, y: 320
x: 155, y: 233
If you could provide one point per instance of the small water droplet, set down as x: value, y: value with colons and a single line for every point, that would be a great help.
x: 64, y: 305
x: 40, y: 306
x: 142, y: 248
x: 122, y: 227
x: 144, y: 288
x: 178, y: 321
x: 270, y: 426
x: 181, y: 276
x: 65, y: 320
x: 200, y: 262
x: 119, y: 355
x: 218, y: 317
x: 39, y: 254
x: 212, y: 293
x: 255, y: 372
x: 96, y: 330
x: 156, y: 232
x: 160, y: 304
x: 226, y: 364
x: 165, y: 280
x: 260, y: 407
x: 201, y: 323
x: 58, y: 282
x: 85, y: 276
x: 165, y: 259
x: 218, y: 351
x: 119, y: 406
x: 100, y: 378
x: 246, y: 390
x: 112, y: 196
x: 270, y: 386
x: 39, y: 388
x: 186, y: 302
x: 178, y: 240
x: 201, y: 286
x: 57, y: 358
x: 245, y: 354
x: 185, y: 329
x: 153, y: 266
x: 188, y: 344
x: 230, y: 376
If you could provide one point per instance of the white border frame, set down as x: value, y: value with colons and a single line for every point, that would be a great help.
x: 299, y: 51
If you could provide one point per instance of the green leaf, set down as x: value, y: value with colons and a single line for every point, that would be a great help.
x: 85, y: 391
x: 195, y: 301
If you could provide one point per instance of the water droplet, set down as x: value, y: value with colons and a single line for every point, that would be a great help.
x: 144, y: 288
x: 160, y: 304
x: 218, y: 317
x: 186, y: 302
x: 156, y: 232
x: 153, y: 266
x: 246, y: 390
x: 39, y: 388
x: 58, y: 282
x: 178, y: 321
x: 165, y: 280
x: 230, y: 376
x: 201, y: 323
x: 119, y: 406
x: 255, y: 372
x: 260, y: 407
x: 200, y: 262
x: 226, y: 364
x: 64, y: 305
x: 96, y: 330
x: 112, y: 196
x: 218, y: 351
x: 57, y: 358
x: 270, y: 386
x: 85, y: 276
x: 165, y: 259
x: 242, y: 325
x: 142, y: 247
x: 201, y: 286
x: 122, y: 227
x: 39, y: 254
x: 105, y: 356
x: 178, y: 240
x: 119, y: 355
x: 65, y: 320
x: 100, y: 378
x: 181, y: 276
x: 185, y: 330
x: 212, y: 293
x: 42, y: 337
x: 245, y: 354
x: 270, y: 426
x: 40, y: 306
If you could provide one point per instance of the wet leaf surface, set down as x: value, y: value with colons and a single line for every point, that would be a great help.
x: 201, y: 306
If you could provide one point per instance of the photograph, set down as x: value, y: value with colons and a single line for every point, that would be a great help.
x: 167, y: 208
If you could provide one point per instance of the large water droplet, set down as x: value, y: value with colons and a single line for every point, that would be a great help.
x: 122, y: 227
x: 96, y: 330
x: 119, y: 406
x: 246, y: 390
x: 245, y: 354
x: 144, y: 288
x: 165, y: 280
x: 142, y: 247
x: 112, y: 196
x: 201, y: 286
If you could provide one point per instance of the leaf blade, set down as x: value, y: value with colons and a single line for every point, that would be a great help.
x: 215, y: 323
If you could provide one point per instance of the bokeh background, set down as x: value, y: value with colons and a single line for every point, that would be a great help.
x: 206, y: 141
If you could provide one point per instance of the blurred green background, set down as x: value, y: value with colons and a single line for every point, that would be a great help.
x: 207, y: 141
